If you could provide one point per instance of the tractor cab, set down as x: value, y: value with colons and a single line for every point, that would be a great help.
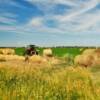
x: 31, y: 50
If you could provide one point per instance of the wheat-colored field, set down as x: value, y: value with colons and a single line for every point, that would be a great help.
x: 68, y: 77
x: 21, y: 80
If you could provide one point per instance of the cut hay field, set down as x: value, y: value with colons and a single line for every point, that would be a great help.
x: 20, y: 80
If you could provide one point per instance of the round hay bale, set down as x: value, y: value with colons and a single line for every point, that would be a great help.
x: 88, y: 51
x: 84, y: 60
x: 14, y: 57
x: 37, y: 59
x: 47, y: 53
x: 2, y: 58
x: 11, y: 51
x: 7, y: 51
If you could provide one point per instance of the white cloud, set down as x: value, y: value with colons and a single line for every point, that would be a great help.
x: 36, y: 22
x: 68, y: 2
x: 79, y: 19
x: 78, y: 11
x: 89, y: 22
x: 77, y: 15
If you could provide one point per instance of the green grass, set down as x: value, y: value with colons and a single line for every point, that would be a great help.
x: 19, y: 51
x: 62, y: 51
x: 59, y: 51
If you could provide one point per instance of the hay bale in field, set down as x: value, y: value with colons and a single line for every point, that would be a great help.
x: 92, y: 52
x: 90, y: 57
x: 7, y: 51
x: 47, y: 53
x: 11, y: 51
x: 88, y: 51
x: 84, y: 60
x: 2, y: 58
x: 12, y: 57
x: 37, y: 59
x: 15, y: 57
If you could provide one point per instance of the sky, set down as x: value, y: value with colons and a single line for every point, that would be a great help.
x: 50, y: 22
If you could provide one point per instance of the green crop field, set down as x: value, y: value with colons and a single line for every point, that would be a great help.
x: 59, y: 51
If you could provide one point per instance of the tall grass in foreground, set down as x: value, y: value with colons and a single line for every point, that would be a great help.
x: 47, y: 83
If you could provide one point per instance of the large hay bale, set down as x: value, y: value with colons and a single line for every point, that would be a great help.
x: 7, y: 51
x: 37, y: 59
x: 47, y: 53
x: 2, y: 58
x: 88, y: 51
x: 90, y: 57
x: 15, y: 57
x: 84, y: 60
x: 11, y: 57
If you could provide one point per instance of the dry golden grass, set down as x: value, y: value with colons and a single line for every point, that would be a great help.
x: 21, y: 80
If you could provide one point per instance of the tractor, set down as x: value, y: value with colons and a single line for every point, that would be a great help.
x: 29, y: 51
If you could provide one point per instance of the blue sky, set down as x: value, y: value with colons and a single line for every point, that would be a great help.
x: 50, y: 22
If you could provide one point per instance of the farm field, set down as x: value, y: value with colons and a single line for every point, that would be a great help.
x: 49, y: 49
x: 57, y: 51
x: 20, y: 80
